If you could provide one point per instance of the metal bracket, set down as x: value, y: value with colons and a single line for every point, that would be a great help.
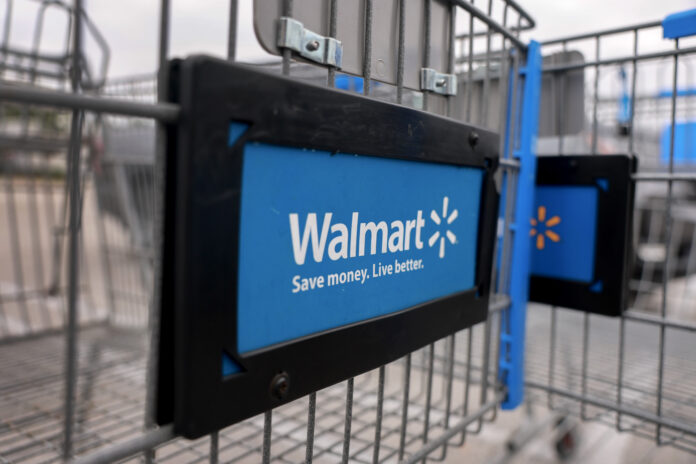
x: 433, y: 81
x: 324, y: 50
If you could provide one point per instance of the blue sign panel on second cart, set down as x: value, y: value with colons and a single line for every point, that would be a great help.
x: 580, y: 232
x: 684, y: 151
x: 310, y: 235
x: 563, y: 232
x: 329, y: 240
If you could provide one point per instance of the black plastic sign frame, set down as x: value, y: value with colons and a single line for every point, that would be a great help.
x: 201, y: 235
x: 613, y: 245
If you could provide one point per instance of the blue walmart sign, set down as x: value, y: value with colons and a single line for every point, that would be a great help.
x: 328, y: 240
x: 564, y: 231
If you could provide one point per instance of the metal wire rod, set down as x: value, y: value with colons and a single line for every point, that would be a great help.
x: 7, y: 26
x: 634, y: 79
x: 595, y: 94
x: 453, y: 431
x: 214, y: 447
x: 378, y: 418
x: 669, y: 222
x: 311, y: 413
x: 163, y: 49
x: 509, y: 163
x: 499, y: 303
x: 449, y: 363
x: 153, y: 316
x: 367, y: 50
x: 165, y: 112
x: 287, y: 53
x: 451, y: 52
x: 404, y: 405
x: 427, y: 7
x: 267, y: 430
x: 589, y: 35
x: 51, y: 58
x: 664, y: 177
x: 594, y: 142
x: 120, y: 451
x: 522, y: 14
x: 515, y: 29
x: 478, y: 14
x: 483, y: 113
x: 232, y: 31
x: 333, y: 21
x: 73, y: 154
x: 619, y: 60
x: 529, y: 21
x: 350, y: 385
x: 657, y: 320
x: 57, y: 75
x: 428, y: 394
x: 609, y: 404
x: 470, y: 71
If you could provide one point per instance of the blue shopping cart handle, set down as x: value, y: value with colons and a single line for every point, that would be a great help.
x: 680, y: 24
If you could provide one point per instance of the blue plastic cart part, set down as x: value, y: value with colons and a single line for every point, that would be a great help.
x: 511, y: 360
x: 684, y: 143
x: 312, y: 262
x: 680, y: 24
x: 563, y: 231
x: 624, y: 115
x: 667, y: 93
x: 346, y: 82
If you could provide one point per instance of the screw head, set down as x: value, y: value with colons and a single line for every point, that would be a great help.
x: 280, y: 386
x: 312, y: 45
x: 473, y: 138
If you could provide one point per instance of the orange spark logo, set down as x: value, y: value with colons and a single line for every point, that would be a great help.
x: 541, y: 222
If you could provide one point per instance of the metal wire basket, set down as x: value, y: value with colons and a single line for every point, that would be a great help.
x: 634, y: 372
x: 77, y: 330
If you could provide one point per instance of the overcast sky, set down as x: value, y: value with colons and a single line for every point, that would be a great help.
x: 130, y: 26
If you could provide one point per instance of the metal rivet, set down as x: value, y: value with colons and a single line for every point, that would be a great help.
x: 473, y: 139
x: 441, y: 83
x: 312, y: 46
x: 280, y: 386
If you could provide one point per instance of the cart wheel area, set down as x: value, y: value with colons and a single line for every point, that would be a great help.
x: 567, y: 438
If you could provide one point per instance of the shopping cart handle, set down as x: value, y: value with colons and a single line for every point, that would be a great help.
x: 680, y: 24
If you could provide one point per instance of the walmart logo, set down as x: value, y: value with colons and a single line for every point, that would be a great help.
x: 541, y: 228
x: 338, y: 240
x: 448, y: 233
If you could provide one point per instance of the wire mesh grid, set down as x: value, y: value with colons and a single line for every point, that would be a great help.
x: 636, y: 373
x: 34, y: 167
x: 81, y: 385
x: 111, y: 387
x: 123, y: 167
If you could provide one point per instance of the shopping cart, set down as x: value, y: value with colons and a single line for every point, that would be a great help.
x: 634, y: 372
x: 79, y: 335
